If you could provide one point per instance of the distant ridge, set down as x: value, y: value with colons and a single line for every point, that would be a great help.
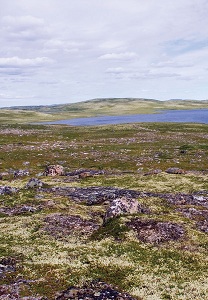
x: 94, y: 107
x: 68, y: 106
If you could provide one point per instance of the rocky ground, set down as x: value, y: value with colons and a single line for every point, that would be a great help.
x: 109, y: 212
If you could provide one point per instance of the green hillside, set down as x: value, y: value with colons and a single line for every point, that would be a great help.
x: 95, y: 107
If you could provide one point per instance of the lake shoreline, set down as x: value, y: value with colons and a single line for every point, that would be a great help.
x: 176, y: 116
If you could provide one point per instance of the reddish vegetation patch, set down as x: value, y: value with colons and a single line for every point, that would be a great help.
x: 151, y: 231
x: 59, y: 225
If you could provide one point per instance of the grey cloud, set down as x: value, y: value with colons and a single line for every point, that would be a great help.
x: 24, y: 28
x: 100, y: 43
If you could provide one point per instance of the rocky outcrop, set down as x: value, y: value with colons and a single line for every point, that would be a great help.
x: 156, y: 232
x: 121, y: 206
x: 96, y: 290
x: 54, y: 170
x: 175, y: 171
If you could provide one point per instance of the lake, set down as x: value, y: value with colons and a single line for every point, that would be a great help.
x: 178, y: 116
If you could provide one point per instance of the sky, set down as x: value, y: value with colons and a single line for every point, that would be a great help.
x: 65, y: 51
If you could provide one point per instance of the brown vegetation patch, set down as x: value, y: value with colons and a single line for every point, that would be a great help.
x: 59, y: 225
x: 156, y: 232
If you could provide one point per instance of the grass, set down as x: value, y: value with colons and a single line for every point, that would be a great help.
x: 172, y: 270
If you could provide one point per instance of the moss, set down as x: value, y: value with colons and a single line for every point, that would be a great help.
x: 112, y: 228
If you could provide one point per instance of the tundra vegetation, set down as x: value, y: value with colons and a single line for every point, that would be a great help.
x: 58, y: 229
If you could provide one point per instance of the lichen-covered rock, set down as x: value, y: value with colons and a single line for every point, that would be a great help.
x: 34, y: 183
x: 122, y: 206
x: 54, y: 170
x: 96, y: 290
x: 156, y: 232
x: 175, y: 171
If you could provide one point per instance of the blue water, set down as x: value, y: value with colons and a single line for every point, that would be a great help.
x: 178, y: 116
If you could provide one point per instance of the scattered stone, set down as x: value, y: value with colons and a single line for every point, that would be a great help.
x: 7, y: 190
x: 14, y: 290
x: 193, y: 213
x: 20, y: 173
x: 54, y: 170
x: 11, y: 211
x: 122, y: 206
x: 153, y: 172
x: 99, y: 195
x: 83, y: 173
x: 203, y: 225
x: 59, y: 225
x: 199, y: 215
x: 156, y: 232
x: 187, y: 199
x: 175, y: 171
x: 7, y: 264
x: 96, y: 290
x: 34, y: 183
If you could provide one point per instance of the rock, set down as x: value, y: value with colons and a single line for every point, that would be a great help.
x: 122, y: 206
x: 96, y: 290
x: 83, y: 173
x: 20, y: 173
x: 15, y: 289
x: 94, y: 195
x: 18, y: 210
x: 156, y: 232
x: 7, y: 190
x: 59, y: 225
x: 187, y: 199
x: 193, y: 213
x: 175, y: 171
x: 153, y: 172
x: 203, y: 225
x: 34, y: 183
x: 54, y: 170
x: 7, y: 264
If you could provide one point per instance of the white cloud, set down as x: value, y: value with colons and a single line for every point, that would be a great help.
x: 16, y: 62
x: 119, y: 56
x: 115, y: 70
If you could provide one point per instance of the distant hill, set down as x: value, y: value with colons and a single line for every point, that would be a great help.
x: 96, y: 107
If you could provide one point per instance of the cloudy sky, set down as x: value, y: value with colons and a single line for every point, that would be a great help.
x: 62, y: 51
